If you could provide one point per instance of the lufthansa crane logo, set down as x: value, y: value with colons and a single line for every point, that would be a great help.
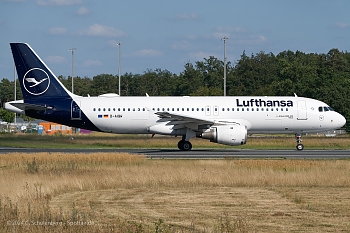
x: 36, y: 81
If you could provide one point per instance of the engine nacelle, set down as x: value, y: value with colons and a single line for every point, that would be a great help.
x: 232, y: 135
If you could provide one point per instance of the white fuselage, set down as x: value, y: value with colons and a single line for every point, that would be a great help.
x: 259, y: 114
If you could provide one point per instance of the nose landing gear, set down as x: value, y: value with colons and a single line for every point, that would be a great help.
x: 298, y: 139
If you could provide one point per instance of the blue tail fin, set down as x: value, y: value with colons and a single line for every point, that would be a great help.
x: 36, y: 79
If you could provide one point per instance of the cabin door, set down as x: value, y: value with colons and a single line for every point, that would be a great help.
x: 75, y: 110
x: 302, y: 113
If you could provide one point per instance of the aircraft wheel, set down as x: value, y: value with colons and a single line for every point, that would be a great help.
x: 184, y: 145
x: 187, y: 145
x: 300, y: 147
x: 179, y: 144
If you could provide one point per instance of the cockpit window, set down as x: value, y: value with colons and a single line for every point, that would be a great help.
x: 324, y: 109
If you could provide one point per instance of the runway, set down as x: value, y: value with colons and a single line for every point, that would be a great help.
x: 202, y: 153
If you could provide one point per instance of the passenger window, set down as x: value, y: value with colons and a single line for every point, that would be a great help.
x: 94, y: 109
x: 223, y: 109
x: 99, y: 109
x: 128, y: 109
x: 192, y: 109
x: 123, y: 109
x: 188, y: 109
x: 104, y: 109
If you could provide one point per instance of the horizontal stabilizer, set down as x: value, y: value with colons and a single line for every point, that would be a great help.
x: 25, y: 106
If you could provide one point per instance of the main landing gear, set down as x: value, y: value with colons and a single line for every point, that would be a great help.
x: 184, y: 145
x: 298, y: 139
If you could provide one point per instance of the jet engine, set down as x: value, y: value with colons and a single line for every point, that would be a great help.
x: 232, y: 135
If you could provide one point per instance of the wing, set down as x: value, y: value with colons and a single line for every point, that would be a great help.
x: 183, y: 121
x: 178, y: 118
x: 196, y: 124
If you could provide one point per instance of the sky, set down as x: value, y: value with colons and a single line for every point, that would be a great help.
x: 163, y: 34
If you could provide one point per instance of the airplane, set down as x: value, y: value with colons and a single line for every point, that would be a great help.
x: 221, y: 119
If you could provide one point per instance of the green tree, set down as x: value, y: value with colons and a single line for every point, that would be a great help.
x: 255, y: 74
x: 188, y: 81
x: 7, y: 91
x: 7, y: 116
x: 104, y: 83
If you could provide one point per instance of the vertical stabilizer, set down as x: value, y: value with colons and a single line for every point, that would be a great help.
x: 36, y: 79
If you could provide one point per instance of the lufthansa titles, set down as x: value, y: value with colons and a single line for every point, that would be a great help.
x: 264, y: 103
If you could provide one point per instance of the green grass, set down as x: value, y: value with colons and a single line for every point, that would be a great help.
x: 104, y: 140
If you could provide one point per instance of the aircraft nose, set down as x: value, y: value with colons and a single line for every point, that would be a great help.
x: 342, y: 121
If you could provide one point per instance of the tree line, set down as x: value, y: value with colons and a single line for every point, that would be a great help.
x: 322, y: 76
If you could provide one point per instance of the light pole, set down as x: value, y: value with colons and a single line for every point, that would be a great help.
x: 224, y: 39
x: 72, y: 49
x: 119, y: 66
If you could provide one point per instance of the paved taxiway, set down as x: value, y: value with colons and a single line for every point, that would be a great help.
x: 203, y: 153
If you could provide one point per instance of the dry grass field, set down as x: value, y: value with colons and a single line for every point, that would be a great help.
x: 105, y: 192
